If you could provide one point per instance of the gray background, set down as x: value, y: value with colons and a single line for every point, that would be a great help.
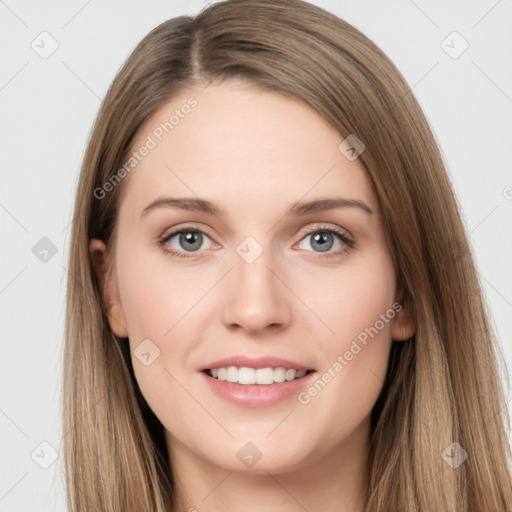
x: 47, y: 109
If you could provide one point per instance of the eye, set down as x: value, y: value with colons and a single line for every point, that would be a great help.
x: 322, y: 239
x: 185, y: 240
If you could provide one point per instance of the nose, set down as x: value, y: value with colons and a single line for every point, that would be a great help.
x: 256, y: 298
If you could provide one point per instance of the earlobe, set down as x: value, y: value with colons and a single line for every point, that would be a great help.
x: 404, y: 325
x: 111, y: 302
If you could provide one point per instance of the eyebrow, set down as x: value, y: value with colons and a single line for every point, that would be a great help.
x: 297, y: 209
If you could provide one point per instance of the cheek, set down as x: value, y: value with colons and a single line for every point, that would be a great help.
x: 357, y: 305
x: 163, y: 308
x: 351, y: 300
x: 155, y: 303
x: 154, y: 298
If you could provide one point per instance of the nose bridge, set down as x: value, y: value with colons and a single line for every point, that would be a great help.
x: 256, y: 297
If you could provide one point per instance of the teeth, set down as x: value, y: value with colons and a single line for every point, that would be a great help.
x: 265, y: 376
x: 290, y: 374
x: 232, y: 374
x: 245, y: 375
x: 279, y: 375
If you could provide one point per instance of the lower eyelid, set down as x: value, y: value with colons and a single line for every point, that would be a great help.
x: 347, y: 242
x: 342, y: 237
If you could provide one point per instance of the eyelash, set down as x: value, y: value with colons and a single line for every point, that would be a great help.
x: 348, y: 242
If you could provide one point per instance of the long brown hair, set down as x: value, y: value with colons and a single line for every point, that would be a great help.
x: 443, y: 385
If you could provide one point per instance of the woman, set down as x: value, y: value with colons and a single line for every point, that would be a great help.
x: 323, y: 343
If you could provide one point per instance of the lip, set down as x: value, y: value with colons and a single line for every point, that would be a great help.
x: 255, y: 362
x: 256, y: 395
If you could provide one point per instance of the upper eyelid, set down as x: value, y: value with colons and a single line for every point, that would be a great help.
x: 191, y: 227
x: 176, y: 231
x: 305, y: 231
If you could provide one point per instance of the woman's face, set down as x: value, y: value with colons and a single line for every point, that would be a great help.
x: 260, y: 277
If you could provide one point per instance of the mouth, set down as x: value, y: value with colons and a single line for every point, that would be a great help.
x: 247, y: 376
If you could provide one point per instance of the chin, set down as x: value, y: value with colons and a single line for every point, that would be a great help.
x: 261, y: 456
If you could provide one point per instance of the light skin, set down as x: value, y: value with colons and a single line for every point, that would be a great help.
x: 254, y: 154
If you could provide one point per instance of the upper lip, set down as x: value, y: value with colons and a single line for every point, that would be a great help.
x: 255, y: 362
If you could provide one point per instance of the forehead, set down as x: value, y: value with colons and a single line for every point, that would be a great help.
x: 235, y: 142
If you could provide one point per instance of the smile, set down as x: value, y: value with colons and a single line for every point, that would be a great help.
x: 264, y: 376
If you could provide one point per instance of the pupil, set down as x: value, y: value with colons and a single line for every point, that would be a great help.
x: 190, y: 237
x: 320, y: 238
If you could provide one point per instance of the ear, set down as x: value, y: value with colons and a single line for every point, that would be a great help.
x: 109, y: 293
x: 404, y: 324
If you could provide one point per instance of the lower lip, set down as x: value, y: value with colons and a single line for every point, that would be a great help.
x: 257, y: 395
